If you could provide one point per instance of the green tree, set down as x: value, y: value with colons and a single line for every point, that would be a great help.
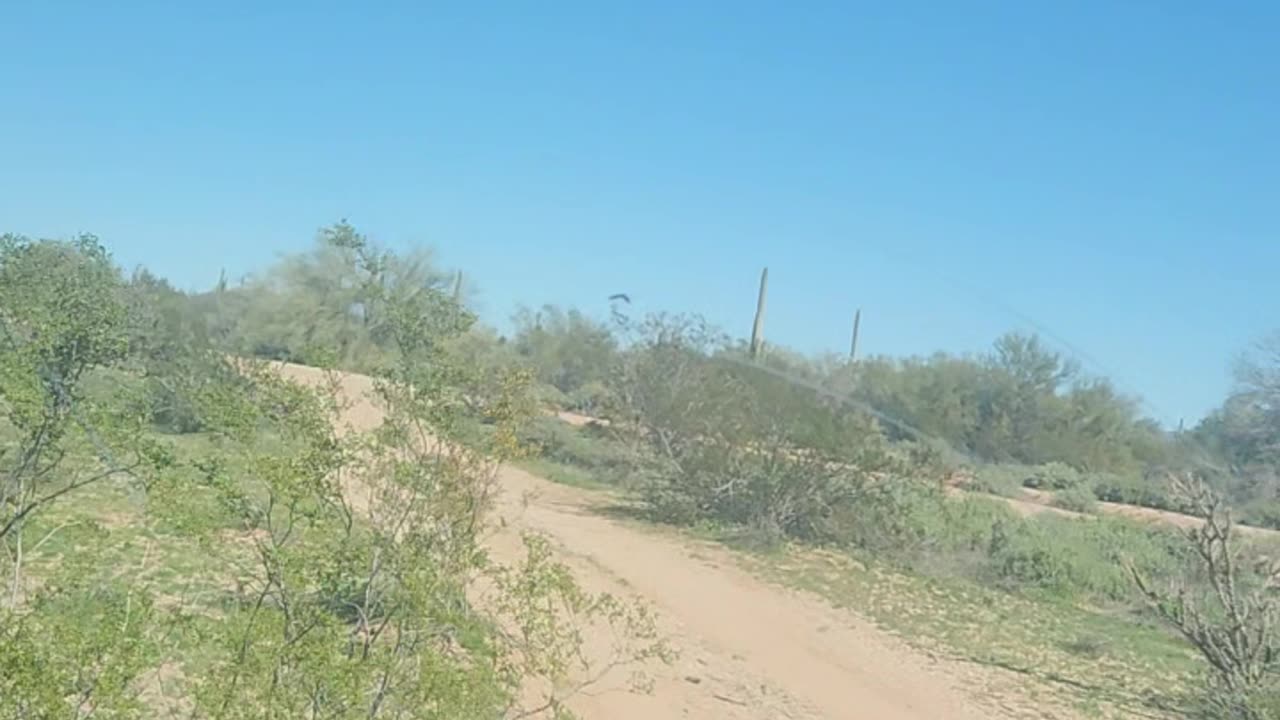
x: 1021, y: 403
x: 169, y: 348
x: 1240, y: 441
x: 63, y: 323
x: 62, y: 316
x: 1035, y: 369
x: 566, y: 349
x: 320, y: 306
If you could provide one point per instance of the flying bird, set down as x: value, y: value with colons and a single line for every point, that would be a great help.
x: 620, y: 296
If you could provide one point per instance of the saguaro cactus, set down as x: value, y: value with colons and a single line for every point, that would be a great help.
x: 853, y: 344
x: 757, y: 328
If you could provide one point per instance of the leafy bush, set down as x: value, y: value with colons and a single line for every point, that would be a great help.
x: 1136, y: 490
x: 72, y: 648
x: 1025, y: 555
x: 895, y: 519
x: 550, y: 396
x: 1054, y: 476
x: 1217, y: 702
x: 726, y: 442
x: 767, y: 486
x: 1261, y: 513
x: 589, y: 397
x: 587, y: 448
x: 1003, y: 479
x: 565, y: 348
x: 805, y: 498
x: 983, y: 540
x: 170, y: 409
x: 1080, y: 558
x: 1079, y: 498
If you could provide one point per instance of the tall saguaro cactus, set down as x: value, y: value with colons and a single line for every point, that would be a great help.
x: 853, y: 344
x: 757, y: 328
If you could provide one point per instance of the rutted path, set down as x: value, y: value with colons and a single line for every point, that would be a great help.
x: 748, y: 649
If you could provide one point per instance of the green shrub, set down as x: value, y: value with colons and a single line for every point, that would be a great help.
x: 550, y: 396
x: 896, y: 519
x: 588, y: 448
x: 1220, y: 703
x: 1079, y: 498
x: 804, y: 496
x: 983, y: 540
x: 1081, y: 559
x: 76, y: 642
x: 1136, y: 490
x: 913, y: 523
x: 1261, y: 513
x: 1053, y: 476
x: 1025, y: 556
x: 170, y: 409
x: 588, y: 398
x: 971, y: 522
x: 1000, y: 479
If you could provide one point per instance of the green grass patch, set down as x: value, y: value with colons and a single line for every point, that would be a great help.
x: 561, y: 473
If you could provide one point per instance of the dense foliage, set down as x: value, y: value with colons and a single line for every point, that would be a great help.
x: 344, y: 566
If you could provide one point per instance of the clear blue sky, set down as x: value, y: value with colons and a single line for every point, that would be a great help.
x: 1108, y: 169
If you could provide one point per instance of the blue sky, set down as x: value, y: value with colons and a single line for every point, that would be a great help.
x: 1109, y: 171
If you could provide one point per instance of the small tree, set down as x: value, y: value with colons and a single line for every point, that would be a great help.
x: 565, y: 348
x: 65, y: 650
x: 1231, y: 617
x: 62, y: 317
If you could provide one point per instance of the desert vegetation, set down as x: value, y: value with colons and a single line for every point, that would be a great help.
x: 859, y: 457
x: 189, y: 533
x: 186, y: 531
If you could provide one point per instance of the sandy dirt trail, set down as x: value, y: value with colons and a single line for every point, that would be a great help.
x: 748, y: 649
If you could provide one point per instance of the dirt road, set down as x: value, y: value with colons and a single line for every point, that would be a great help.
x: 748, y: 649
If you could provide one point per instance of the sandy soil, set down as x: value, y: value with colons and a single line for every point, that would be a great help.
x: 748, y: 649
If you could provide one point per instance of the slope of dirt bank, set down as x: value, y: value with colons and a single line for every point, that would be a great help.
x: 748, y: 649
